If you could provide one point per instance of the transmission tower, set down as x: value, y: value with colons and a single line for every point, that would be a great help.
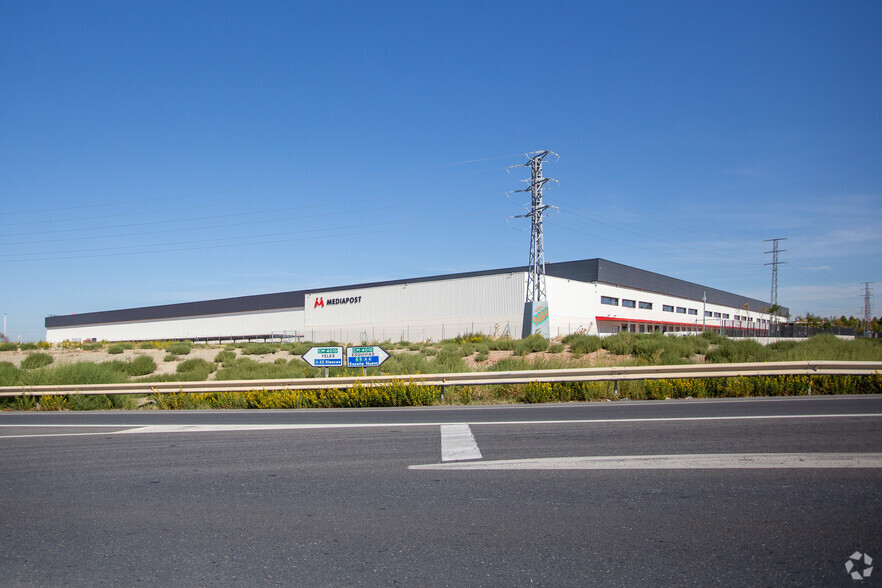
x: 868, y: 310
x: 775, y: 263
x: 536, y: 271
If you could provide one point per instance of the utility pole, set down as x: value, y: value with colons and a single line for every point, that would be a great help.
x: 775, y: 263
x: 536, y: 300
x: 704, y: 313
x: 868, y: 311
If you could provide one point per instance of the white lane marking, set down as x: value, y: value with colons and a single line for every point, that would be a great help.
x: 458, y: 443
x: 192, y: 428
x: 675, y: 462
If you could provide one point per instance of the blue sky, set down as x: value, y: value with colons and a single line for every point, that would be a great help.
x: 159, y: 152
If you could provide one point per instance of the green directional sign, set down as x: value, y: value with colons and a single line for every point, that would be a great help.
x: 365, y: 356
x: 324, y: 356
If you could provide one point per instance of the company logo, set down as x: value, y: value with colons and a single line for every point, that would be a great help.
x: 853, y: 563
x: 541, y: 315
x: 320, y: 301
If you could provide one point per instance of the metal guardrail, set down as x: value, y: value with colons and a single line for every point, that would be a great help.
x: 603, y: 374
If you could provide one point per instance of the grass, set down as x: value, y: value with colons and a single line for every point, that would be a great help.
x: 259, y: 348
x: 449, y: 356
x: 246, y: 368
x: 36, y: 360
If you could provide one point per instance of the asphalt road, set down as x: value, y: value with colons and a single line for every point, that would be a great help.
x: 376, y: 496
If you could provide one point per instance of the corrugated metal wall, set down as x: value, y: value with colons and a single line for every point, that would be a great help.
x: 418, y: 311
x: 239, y: 325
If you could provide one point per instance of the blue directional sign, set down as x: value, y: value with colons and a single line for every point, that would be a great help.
x: 324, y: 356
x: 365, y: 357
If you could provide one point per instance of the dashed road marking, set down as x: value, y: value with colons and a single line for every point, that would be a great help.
x: 675, y: 462
x: 458, y: 443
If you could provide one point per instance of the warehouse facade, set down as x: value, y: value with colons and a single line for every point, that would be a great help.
x: 592, y: 296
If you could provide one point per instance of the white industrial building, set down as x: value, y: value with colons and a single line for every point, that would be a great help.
x: 592, y: 296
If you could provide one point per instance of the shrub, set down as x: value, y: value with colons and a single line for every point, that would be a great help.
x: 405, y: 363
x: 53, y: 402
x: 140, y: 366
x: 502, y: 344
x: 8, y: 346
x: 532, y: 344
x: 556, y: 348
x: 9, y: 374
x: 89, y: 402
x: 580, y: 343
x: 742, y: 351
x: 398, y: 394
x: 180, y: 348
x: 449, y: 361
x: 245, y: 368
x: 197, y: 369
x: 620, y: 344
x: 511, y: 364
x: 259, y: 348
x: 470, y: 338
x: 83, y: 372
x: 537, y: 392
x: 170, y: 357
x: 35, y: 360
x: 299, y: 348
x: 115, y: 349
x: 27, y: 347
x: 225, y: 356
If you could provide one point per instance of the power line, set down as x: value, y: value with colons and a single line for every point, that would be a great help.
x: 119, y: 202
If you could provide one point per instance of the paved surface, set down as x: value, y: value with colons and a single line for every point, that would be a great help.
x: 186, y: 498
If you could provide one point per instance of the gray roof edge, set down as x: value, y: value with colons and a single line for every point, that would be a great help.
x: 585, y: 270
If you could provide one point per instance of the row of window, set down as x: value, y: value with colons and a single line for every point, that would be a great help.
x: 650, y: 328
x: 670, y: 308
x: 625, y: 302
x: 724, y: 315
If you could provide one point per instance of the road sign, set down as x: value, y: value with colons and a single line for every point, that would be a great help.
x: 324, y: 356
x: 365, y: 357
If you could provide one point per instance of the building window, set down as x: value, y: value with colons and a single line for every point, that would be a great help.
x: 681, y: 310
x: 737, y: 317
x: 693, y: 311
x: 708, y: 313
x: 667, y: 308
x: 609, y: 300
x: 716, y: 315
x: 628, y: 303
x: 646, y: 305
x: 725, y: 315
